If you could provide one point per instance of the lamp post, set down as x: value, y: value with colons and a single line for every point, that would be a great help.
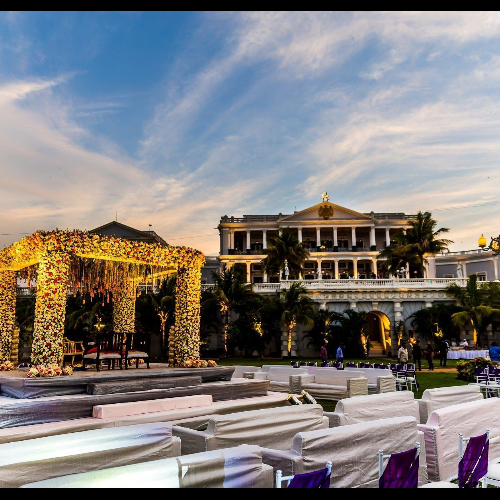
x: 494, y: 245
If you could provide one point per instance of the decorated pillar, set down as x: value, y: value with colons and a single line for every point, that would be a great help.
x: 187, y: 314
x: 124, y: 307
x: 7, y: 313
x: 50, y: 309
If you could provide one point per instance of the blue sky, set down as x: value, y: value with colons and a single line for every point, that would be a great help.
x: 174, y: 119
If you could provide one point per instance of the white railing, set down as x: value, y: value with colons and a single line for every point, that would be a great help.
x: 393, y: 284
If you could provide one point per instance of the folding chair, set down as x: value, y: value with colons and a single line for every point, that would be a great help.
x: 352, y: 365
x: 310, y: 480
x: 401, y: 470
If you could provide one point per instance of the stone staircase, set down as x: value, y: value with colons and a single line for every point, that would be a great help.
x: 376, y: 351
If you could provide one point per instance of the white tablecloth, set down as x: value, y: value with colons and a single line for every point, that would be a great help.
x: 467, y: 354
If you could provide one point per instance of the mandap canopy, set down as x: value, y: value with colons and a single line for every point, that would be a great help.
x: 65, y: 262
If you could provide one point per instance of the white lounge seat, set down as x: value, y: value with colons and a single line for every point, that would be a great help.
x: 444, y: 426
x: 240, y: 370
x: 374, y: 407
x: 352, y: 449
x: 282, y: 379
x: 379, y: 380
x: 435, y: 399
x: 274, y: 427
x: 333, y: 385
x: 240, y: 467
x: 45, y: 458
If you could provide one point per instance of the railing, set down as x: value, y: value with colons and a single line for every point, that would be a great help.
x: 367, y: 284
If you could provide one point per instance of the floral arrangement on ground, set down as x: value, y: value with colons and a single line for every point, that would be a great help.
x: 467, y: 369
x: 40, y: 371
x: 7, y: 366
x: 198, y: 363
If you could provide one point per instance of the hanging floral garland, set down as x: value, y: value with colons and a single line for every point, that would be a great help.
x: 7, y: 313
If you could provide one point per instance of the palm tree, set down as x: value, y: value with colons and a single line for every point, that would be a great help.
x: 320, y: 332
x: 348, y: 328
x: 476, y: 311
x: 433, y: 321
x: 297, y: 309
x: 285, y: 246
x: 229, y: 292
x: 411, y: 247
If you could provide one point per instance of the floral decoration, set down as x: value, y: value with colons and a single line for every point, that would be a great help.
x: 7, y: 313
x: 7, y: 366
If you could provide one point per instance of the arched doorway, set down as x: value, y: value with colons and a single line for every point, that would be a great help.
x: 379, y: 329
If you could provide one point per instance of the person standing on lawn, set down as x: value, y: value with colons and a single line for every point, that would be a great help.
x: 403, y: 354
x: 417, y: 355
x: 495, y: 354
x: 340, y: 354
x: 444, y: 348
x: 324, y: 355
x: 429, y: 356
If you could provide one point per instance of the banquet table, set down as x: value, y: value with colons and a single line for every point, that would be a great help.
x: 467, y: 354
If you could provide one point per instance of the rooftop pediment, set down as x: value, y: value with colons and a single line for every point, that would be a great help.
x: 326, y: 211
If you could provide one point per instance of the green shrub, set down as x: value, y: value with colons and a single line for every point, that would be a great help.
x: 467, y: 368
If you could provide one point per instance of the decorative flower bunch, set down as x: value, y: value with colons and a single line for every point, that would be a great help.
x: 40, y: 371
x: 67, y: 371
x: 198, y: 363
x: 7, y: 366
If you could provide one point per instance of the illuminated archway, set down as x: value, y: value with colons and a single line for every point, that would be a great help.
x: 77, y: 261
x: 379, y: 329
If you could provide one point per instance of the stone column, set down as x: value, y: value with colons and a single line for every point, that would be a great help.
x: 320, y: 275
x: 299, y: 234
x: 373, y: 241
x: 318, y: 236
x: 495, y: 262
x: 353, y: 237
x: 231, y: 239
x: 50, y: 309
x: 248, y: 240
x: 264, y: 238
x: 265, y: 278
x: 355, y: 268
x: 464, y: 267
x: 408, y: 271
x: 249, y: 272
x: 187, y: 314
x: 336, y: 269
x: 335, y: 238
x: 8, y: 286
x: 387, y: 236
x: 374, y: 267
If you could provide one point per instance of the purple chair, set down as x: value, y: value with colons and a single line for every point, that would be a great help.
x: 338, y: 365
x: 474, y: 464
x: 310, y: 480
x: 401, y: 470
x: 352, y: 365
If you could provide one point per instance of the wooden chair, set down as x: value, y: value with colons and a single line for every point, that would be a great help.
x: 137, y: 347
x: 109, y: 347
x: 71, y: 349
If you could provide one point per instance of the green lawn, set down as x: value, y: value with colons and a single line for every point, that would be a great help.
x: 426, y: 379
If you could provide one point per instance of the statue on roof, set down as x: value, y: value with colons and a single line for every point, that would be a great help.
x: 325, y: 196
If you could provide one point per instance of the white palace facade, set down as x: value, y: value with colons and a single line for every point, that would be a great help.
x: 344, y: 270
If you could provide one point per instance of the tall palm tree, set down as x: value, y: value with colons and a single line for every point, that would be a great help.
x: 229, y: 292
x: 320, y: 332
x: 297, y: 309
x: 285, y: 246
x: 348, y: 328
x: 411, y: 247
x: 476, y: 310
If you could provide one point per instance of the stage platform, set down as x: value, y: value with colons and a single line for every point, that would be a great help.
x: 19, y: 412
x: 15, y: 384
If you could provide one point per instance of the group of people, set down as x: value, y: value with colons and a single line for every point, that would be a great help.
x: 428, y: 354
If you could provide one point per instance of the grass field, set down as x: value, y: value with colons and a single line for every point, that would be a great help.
x: 441, y: 377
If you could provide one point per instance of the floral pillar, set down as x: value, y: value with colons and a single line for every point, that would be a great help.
x: 7, y: 313
x: 124, y: 307
x: 187, y: 314
x: 50, y: 310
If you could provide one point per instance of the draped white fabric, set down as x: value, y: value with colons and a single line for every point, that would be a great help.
x: 467, y: 354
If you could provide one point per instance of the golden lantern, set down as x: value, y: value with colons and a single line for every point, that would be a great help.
x: 482, y: 241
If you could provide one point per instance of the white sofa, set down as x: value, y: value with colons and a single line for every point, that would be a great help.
x: 379, y: 380
x: 240, y: 370
x: 435, y: 399
x: 45, y: 458
x: 274, y: 427
x: 240, y: 467
x: 442, y: 430
x: 281, y: 378
x: 374, y: 407
x: 331, y: 384
x: 353, y: 450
